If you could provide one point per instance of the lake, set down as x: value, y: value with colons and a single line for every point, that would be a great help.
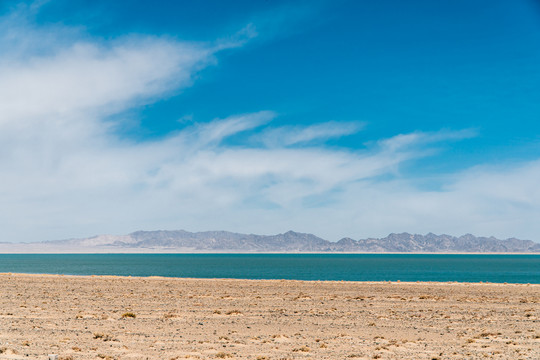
x: 348, y: 267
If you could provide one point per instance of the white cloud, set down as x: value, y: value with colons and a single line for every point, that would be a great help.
x: 65, y: 173
x: 417, y: 139
x: 302, y: 135
x: 501, y: 201
x: 214, y: 132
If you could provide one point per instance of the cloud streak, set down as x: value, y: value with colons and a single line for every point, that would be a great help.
x: 305, y: 135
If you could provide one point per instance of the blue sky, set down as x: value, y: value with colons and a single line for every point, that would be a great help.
x: 339, y: 118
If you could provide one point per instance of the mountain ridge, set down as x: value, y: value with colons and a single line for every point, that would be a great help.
x: 182, y: 241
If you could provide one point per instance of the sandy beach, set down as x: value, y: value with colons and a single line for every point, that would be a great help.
x: 161, y: 318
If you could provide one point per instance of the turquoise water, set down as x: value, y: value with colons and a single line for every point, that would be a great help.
x: 351, y: 267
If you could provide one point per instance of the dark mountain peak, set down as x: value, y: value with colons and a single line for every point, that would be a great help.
x: 400, y: 235
x: 347, y: 240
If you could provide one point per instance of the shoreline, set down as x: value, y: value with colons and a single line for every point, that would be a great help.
x: 173, y: 252
x: 176, y: 278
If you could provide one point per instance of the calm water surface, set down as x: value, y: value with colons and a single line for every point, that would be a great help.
x: 353, y: 267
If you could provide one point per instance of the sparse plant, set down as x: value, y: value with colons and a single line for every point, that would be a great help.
x: 8, y: 351
x: 128, y: 315
x: 106, y: 357
x: 234, y: 312
x: 110, y: 357
x: 104, y: 337
x: 223, y: 355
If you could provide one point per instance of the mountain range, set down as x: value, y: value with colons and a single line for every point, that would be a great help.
x: 180, y: 241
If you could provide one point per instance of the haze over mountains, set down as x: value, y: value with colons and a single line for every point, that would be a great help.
x: 180, y: 241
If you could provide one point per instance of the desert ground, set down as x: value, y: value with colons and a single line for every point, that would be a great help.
x: 165, y: 318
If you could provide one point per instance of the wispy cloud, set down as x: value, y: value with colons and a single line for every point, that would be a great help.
x: 220, y: 129
x: 420, y: 138
x: 287, y: 19
x: 304, y: 135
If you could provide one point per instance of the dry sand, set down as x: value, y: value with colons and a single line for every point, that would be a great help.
x: 82, y: 318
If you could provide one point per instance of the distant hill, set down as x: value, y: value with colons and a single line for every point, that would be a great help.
x: 290, y: 242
